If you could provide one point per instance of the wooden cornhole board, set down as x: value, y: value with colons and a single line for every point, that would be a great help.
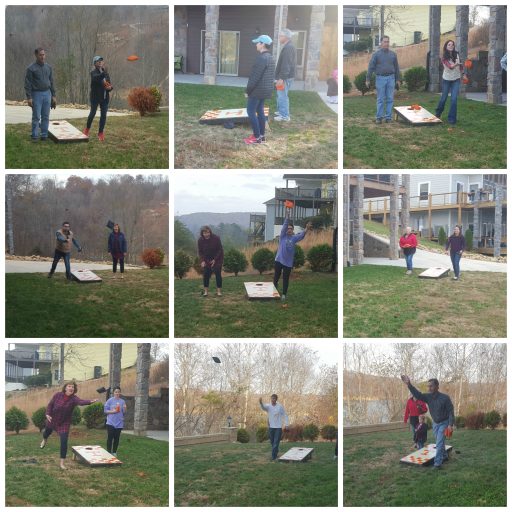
x: 424, y: 456
x: 297, y: 455
x: 236, y: 115
x: 86, y: 276
x: 434, y: 273
x: 61, y: 131
x: 261, y: 291
x: 420, y: 117
x: 94, y: 456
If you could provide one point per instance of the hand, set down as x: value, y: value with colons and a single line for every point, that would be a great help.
x: 212, y: 264
x: 54, y: 102
x: 405, y: 379
x: 49, y: 418
x: 79, y: 249
x: 246, y: 95
x: 450, y: 429
x: 124, y: 254
x: 30, y: 104
x: 367, y: 83
x: 280, y: 82
x: 203, y: 264
x: 94, y: 400
x: 286, y: 429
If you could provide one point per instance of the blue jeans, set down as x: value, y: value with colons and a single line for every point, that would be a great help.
x: 455, y: 257
x: 67, y: 262
x: 283, y: 102
x: 274, y: 435
x: 452, y: 86
x: 41, y: 103
x: 256, y: 114
x: 385, y: 86
x: 103, y: 114
x: 408, y: 260
x: 438, y: 430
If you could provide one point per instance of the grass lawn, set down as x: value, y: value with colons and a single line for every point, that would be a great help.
x: 381, y: 301
x: 137, y: 306
x: 131, y: 142
x: 241, y: 475
x: 309, y: 141
x: 477, y: 141
x: 34, y: 479
x: 475, y: 475
x: 310, y: 310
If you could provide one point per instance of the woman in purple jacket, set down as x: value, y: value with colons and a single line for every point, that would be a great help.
x: 59, y: 414
x: 456, y: 245
x: 211, y: 255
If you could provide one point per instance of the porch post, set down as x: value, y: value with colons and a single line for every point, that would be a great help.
x: 434, y: 40
x: 316, y: 29
x: 498, y: 196
x: 358, y: 234
x: 211, y: 42
x: 497, y: 43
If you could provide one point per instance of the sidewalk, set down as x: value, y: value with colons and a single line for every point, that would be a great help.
x: 159, y: 435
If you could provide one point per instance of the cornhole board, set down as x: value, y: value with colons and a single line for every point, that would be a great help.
x: 94, y: 456
x: 434, y: 273
x: 86, y: 276
x: 236, y: 115
x: 297, y: 455
x: 424, y: 456
x: 261, y: 291
x: 61, y: 131
x: 420, y: 117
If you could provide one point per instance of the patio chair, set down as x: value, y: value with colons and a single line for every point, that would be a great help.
x: 178, y: 63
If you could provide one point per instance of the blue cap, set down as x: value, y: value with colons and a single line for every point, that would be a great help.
x: 96, y: 59
x: 263, y: 39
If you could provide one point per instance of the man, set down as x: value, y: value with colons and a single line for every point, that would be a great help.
x: 441, y: 410
x: 384, y: 64
x: 40, y: 93
x: 276, y: 417
x: 285, y: 73
x: 64, y: 241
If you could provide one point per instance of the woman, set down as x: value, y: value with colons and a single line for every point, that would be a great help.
x: 211, y: 255
x: 259, y: 88
x: 58, y: 416
x: 452, y: 72
x: 115, y: 409
x: 456, y: 245
x: 118, y: 248
x: 408, y: 244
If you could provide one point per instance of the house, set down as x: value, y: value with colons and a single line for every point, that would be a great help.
x: 223, y: 36
x: 23, y: 360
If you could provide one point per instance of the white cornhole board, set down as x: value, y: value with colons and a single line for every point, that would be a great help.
x: 420, y: 117
x: 297, y: 455
x: 86, y: 276
x: 424, y: 456
x: 434, y: 273
x: 62, y: 131
x: 94, y: 456
x: 261, y: 291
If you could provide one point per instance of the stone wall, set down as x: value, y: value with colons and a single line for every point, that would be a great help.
x: 180, y: 33
x: 374, y: 247
x: 158, y: 411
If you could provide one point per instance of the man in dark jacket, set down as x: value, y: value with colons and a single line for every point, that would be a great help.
x: 259, y: 88
x: 285, y: 73
x: 100, y: 90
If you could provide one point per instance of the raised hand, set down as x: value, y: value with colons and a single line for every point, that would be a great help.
x: 405, y: 379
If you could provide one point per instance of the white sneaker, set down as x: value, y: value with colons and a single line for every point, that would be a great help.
x: 455, y: 278
x: 283, y: 297
x: 284, y: 119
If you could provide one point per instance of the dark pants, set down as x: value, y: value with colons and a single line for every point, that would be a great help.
x: 113, y: 438
x: 278, y: 268
x: 449, y: 87
x: 274, y: 435
x: 114, y: 264
x: 413, y: 420
x: 63, y: 440
x: 103, y: 113
x: 67, y: 262
x: 207, y: 273
x: 256, y: 114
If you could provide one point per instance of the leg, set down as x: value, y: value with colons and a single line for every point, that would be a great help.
x: 380, y: 86
x: 218, y: 279
x: 114, y: 264
x: 452, y: 114
x: 438, y: 429
x: 413, y: 420
x: 63, y: 448
x: 281, y: 107
x: 117, y: 435
x: 456, y: 263
x: 261, y: 116
x: 286, y: 278
x: 45, y: 114
x: 46, y: 434
x: 121, y: 265
x: 92, y: 113
x: 56, y: 258
x: 207, y: 272
x: 251, y: 114
x: 444, y: 95
x: 67, y: 263
x: 36, y: 112
x: 390, y: 94
x: 275, y: 444
x: 110, y: 438
x: 103, y: 115
x: 277, y: 272
x: 287, y: 86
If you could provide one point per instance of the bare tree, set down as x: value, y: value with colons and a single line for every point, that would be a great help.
x: 140, y: 421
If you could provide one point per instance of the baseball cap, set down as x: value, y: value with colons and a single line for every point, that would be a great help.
x: 96, y: 59
x: 263, y: 39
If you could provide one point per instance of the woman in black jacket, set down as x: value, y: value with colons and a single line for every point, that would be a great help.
x: 259, y: 88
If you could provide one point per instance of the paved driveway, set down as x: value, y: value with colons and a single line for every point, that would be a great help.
x: 16, y: 114
x: 26, y: 267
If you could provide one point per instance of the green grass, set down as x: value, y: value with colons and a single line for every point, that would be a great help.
x: 475, y: 476
x: 131, y: 142
x: 241, y: 475
x: 309, y: 141
x: 310, y: 309
x: 381, y: 301
x: 477, y: 141
x: 137, y: 306
x: 34, y: 479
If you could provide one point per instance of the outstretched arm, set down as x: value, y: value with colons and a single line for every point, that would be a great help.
x: 415, y: 392
x: 262, y: 405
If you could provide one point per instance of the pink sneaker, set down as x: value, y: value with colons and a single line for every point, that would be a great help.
x: 86, y: 132
x: 101, y: 137
x: 252, y: 140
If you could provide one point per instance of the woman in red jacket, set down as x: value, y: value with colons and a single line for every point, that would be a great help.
x: 408, y: 245
x: 413, y: 409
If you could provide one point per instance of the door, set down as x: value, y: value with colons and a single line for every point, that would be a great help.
x: 227, y: 52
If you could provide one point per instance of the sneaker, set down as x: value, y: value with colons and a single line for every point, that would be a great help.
x: 283, y: 297
x: 252, y: 140
x: 408, y: 273
x: 282, y: 119
x: 388, y: 120
x: 43, y: 443
x: 114, y: 454
x: 263, y: 139
x: 378, y: 121
x: 86, y: 132
x: 277, y: 114
x: 455, y: 278
x: 101, y: 137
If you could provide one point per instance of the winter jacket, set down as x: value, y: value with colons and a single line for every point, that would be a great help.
x: 414, y: 408
x: 210, y: 249
x: 286, y: 63
x: 123, y: 245
x: 420, y: 433
x: 408, y: 240
x: 456, y: 244
x: 60, y: 409
x: 261, y: 79
x: 98, y: 92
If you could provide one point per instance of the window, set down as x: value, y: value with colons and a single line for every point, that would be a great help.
x: 424, y: 190
x: 299, y: 41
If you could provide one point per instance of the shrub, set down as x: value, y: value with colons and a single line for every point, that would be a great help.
x: 76, y: 417
x: 157, y: 95
x: 262, y: 434
x: 441, y: 236
x: 428, y: 421
x: 16, y: 420
x: 329, y: 432
x: 359, y: 46
x: 196, y: 265
x: 347, y: 84
x: 320, y: 258
x: 475, y: 421
x: 182, y: 263
x: 38, y: 380
x: 460, y: 421
x: 39, y: 418
x: 93, y: 415
x: 299, y: 258
x: 504, y: 419
x: 321, y: 221
x: 242, y: 436
x: 152, y: 257
x: 142, y: 100
x: 263, y: 259
x: 468, y: 236
x: 235, y: 261
x: 311, y: 432
x: 160, y: 253
x: 360, y: 82
x: 492, y: 419
x: 294, y: 433
x: 416, y: 78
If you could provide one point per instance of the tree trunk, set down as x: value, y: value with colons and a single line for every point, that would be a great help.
x: 140, y: 422
x: 8, y: 216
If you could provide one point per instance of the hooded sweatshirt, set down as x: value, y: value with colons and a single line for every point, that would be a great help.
x: 210, y: 249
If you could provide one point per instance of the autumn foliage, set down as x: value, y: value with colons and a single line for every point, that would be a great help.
x: 142, y: 100
x: 153, y: 257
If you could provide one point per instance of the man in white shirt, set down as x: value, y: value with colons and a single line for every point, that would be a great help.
x: 276, y: 417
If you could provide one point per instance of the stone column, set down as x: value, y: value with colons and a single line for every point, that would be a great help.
x: 140, y: 411
x: 283, y: 16
x: 316, y: 29
x: 497, y: 43
x: 114, y: 372
x: 406, y: 198
x: 476, y: 220
x: 211, y: 43
x: 461, y: 36
x: 498, y: 198
x: 394, y: 218
x: 434, y: 41
x: 358, y: 225
x: 346, y: 219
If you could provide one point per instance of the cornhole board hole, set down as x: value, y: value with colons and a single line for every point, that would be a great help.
x: 261, y: 291
x: 297, y: 455
x: 62, y: 131
x: 86, y: 276
x: 434, y: 273
x: 424, y: 456
x: 236, y: 115
x: 420, y: 117
x: 94, y: 456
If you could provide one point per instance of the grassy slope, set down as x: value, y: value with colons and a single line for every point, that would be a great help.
x: 309, y: 141
x: 311, y: 309
x: 477, y: 141
x: 142, y: 480
x: 134, y: 307
x: 131, y: 142
x: 381, y: 301
x: 373, y: 476
x: 241, y: 475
